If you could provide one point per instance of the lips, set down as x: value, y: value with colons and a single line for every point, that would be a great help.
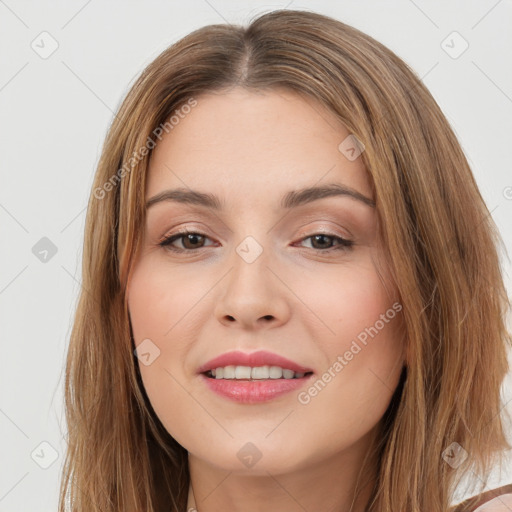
x: 253, y: 359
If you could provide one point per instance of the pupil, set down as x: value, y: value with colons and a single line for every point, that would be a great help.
x: 190, y: 238
x: 316, y: 237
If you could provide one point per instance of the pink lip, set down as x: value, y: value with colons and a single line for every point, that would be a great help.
x: 253, y: 391
x: 260, y: 358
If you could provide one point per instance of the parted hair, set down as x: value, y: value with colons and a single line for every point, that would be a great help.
x: 439, y: 237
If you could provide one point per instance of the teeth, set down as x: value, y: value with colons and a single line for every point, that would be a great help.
x: 229, y: 372
x: 260, y: 372
x: 254, y: 373
x: 288, y: 374
x: 242, y: 372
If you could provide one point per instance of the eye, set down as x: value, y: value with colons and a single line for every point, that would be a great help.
x: 321, y: 239
x: 193, y: 240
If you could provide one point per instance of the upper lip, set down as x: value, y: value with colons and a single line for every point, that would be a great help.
x: 253, y: 359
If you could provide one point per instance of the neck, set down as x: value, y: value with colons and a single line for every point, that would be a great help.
x: 341, y: 483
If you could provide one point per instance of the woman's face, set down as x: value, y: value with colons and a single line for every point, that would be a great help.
x: 268, y: 270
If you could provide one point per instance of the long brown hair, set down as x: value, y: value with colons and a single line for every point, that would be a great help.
x: 439, y: 236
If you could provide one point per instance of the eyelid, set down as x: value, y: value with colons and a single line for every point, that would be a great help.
x: 185, y: 229
x: 336, y: 230
x: 182, y: 232
x: 325, y: 231
x: 343, y: 243
x: 311, y: 231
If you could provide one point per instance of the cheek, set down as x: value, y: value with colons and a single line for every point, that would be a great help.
x: 347, y: 301
x: 361, y: 337
x: 161, y: 311
x: 364, y: 361
x: 161, y: 301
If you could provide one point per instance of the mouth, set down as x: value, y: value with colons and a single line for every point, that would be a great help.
x: 252, y: 366
x: 244, y: 390
x: 251, y: 378
x: 256, y: 373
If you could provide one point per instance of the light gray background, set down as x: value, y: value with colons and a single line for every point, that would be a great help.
x: 54, y: 115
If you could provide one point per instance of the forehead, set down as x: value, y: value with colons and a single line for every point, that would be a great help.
x: 258, y: 144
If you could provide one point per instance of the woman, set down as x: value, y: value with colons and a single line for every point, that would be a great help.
x: 222, y: 357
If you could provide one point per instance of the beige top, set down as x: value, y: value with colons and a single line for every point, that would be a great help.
x: 501, y: 496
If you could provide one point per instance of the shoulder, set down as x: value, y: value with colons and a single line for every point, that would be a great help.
x: 502, y: 503
x: 494, y: 500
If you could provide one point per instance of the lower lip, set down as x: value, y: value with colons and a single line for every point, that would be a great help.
x: 254, y: 391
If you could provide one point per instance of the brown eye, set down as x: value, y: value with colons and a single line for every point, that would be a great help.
x: 190, y: 240
x: 321, y: 241
x: 324, y: 242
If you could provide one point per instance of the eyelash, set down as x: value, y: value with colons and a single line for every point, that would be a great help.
x: 343, y: 244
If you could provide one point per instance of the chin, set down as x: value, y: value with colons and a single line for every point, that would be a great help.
x: 255, y: 458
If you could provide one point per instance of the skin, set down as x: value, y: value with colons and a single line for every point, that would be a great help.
x: 250, y: 149
x: 502, y: 503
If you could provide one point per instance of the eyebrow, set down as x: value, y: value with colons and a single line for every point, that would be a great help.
x: 292, y: 199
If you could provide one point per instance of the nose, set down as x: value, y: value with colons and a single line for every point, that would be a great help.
x: 252, y: 295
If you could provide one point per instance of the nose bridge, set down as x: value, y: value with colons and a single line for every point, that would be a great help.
x: 250, y: 275
x: 253, y: 250
x: 251, y: 291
